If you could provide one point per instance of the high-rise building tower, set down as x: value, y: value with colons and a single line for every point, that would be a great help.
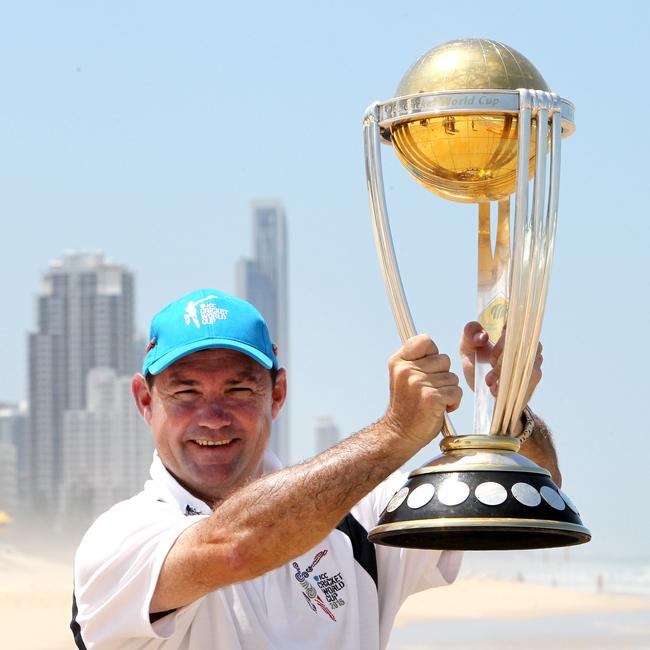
x: 13, y: 461
x: 107, y: 448
x: 8, y: 477
x: 85, y: 319
x: 326, y: 433
x: 262, y: 281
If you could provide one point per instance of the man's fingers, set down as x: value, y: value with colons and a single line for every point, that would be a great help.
x: 474, y: 345
x: 439, y: 401
x: 442, y: 379
x: 473, y: 338
x: 497, y: 351
x: 496, y: 357
x: 433, y: 370
x: 433, y: 363
x: 492, y: 379
x: 417, y: 347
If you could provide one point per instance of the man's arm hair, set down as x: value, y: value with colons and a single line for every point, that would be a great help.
x: 541, y: 450
x: 276, y: 518
x: 271, y: 520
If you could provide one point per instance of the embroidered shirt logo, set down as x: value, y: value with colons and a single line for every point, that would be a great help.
x: 201, y: 312
x: 329, y: 586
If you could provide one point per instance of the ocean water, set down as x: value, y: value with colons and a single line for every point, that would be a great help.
x: 563, y: 568
x: 568, y: 568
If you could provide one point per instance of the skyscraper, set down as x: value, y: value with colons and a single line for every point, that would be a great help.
x: 262, y: 281
x: 8, y: 477
x: 326, y: 433
x: 107, y: 448
x: 85, y: 319
x: 13, y: 424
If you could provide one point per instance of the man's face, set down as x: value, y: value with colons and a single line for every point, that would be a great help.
x: 210, y: 414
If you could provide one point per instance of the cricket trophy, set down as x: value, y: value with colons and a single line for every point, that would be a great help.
x: 474, y: 121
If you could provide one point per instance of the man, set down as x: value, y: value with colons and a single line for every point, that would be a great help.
x: 223, y: 548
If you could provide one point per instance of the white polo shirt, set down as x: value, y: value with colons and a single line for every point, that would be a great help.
x: 344, y: 593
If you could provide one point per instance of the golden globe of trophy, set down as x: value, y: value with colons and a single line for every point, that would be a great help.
x: 474, y: 121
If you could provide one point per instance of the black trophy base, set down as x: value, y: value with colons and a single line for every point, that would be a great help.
x: 485, y: 538
x: 473, y: 498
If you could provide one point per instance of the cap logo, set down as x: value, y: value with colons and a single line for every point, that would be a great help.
x: 206, y: 314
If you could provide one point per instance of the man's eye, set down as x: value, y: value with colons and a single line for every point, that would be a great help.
x: 188, y: 392
x: 242, y: 390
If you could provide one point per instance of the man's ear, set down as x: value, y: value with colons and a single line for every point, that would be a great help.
x: 142, y: 396
x: 279, y: 394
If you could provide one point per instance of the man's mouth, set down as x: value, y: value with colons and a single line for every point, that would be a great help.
x: 213, y: 443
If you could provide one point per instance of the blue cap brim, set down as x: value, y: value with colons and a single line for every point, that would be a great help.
x: 206, y: 344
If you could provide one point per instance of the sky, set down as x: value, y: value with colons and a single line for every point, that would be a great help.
x: 146, y: 129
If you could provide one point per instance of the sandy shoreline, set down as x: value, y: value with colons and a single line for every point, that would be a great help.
x: 35, y: 602
x: 500, y: 599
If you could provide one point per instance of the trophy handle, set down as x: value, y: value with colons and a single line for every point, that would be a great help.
x: 547, y: 236
x: 533, y: 253
x: 383, y: 238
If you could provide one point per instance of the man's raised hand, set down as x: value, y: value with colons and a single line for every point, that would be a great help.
x: 422, y: 390
x: 476, y: 343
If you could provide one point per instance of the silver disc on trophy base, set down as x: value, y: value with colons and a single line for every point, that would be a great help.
x: 481, y: 500
x: 474, y: 121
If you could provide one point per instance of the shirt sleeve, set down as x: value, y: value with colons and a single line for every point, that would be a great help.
x: 401, y: 571
x: 116, y: 570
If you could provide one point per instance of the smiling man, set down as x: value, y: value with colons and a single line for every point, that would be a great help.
x: 224, y: 548
x: 210, y: 414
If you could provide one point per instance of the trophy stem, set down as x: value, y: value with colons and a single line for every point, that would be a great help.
x: 492, y: 301
x: 383, y: 238
x: 520, y: 267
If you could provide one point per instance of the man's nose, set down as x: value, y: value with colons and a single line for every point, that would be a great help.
x: 214, y: 415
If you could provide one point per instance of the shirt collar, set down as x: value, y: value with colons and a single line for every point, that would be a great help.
x: 166, y: 488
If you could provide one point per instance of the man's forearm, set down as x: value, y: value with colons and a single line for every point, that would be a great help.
x: 278, y: 517
x: 271, y: 520
x: 282, y: 515
x: 541, y: 450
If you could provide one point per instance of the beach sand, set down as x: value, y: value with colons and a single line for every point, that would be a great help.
x: 475, y: 613
x: 487, y: 614
x: 485, y: 598
x: 35, y: 603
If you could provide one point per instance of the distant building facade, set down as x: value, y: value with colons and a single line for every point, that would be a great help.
x: 263, y: 281
x: 85, y: 319
x: 326, y: 433
x: 13, y: 458
x: 106, y: 448
x: 8, y: 478
x: 139, y: 348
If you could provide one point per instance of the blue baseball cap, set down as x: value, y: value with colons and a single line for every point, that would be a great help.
x: 207, y: 319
